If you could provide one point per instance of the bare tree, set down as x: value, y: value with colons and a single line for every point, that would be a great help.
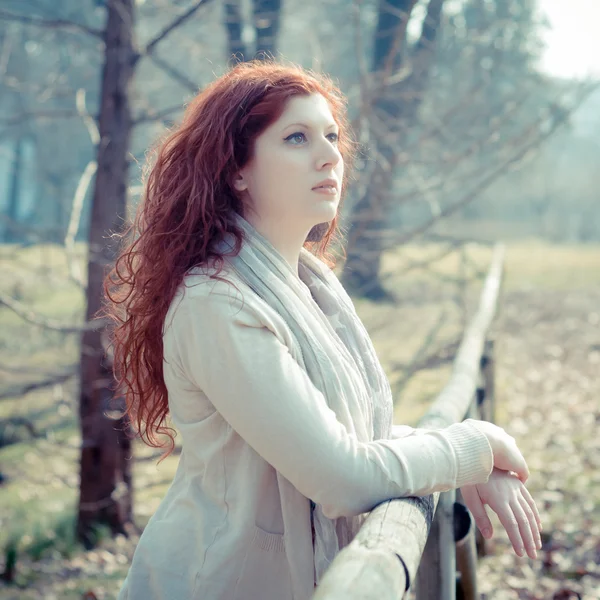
x: 443, y: 119
x: 105, y: 476
x: 396, y: 96
x: 105, y: 447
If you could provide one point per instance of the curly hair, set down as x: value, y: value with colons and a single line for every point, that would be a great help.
x: 185, y: 211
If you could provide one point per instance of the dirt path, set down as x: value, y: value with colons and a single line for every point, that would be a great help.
x: 549, y: 400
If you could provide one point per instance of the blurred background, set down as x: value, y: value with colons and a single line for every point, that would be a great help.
x: 478, y: 123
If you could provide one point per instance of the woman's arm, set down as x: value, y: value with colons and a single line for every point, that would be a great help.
x: 399, y: 431
x: 262, y: 392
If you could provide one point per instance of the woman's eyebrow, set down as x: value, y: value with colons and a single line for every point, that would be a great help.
x: 327, y: 126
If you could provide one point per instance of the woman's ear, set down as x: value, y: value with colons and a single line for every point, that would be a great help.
x: 239, y: 183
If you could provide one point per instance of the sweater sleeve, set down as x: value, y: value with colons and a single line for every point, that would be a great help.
x: 268, y: 399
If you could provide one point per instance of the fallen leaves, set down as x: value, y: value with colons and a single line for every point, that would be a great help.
x: 549, y: 376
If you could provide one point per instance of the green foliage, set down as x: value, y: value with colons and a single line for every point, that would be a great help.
x: 41, y: 535
x: 47, y: 536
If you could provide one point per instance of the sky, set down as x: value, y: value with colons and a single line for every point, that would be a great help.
x: 573, y: 41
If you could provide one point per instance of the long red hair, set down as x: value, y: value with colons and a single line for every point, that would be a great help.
x: 186, y: 209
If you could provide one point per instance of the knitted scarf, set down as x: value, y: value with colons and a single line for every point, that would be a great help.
x: 338, y: 356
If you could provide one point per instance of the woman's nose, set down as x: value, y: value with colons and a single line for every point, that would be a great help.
x: 328, y: 154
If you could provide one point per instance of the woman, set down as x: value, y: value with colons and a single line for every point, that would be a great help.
x: 229, y: 321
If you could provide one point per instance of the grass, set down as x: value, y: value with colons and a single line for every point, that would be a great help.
x: 530, y: 264
x: 39, y: 497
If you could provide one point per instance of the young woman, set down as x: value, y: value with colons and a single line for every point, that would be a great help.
x: 229, y: 321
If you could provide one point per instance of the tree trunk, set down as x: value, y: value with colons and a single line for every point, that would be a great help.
x: 234, y: 25
x: 105, y: 479
x: 398, y: 104
x: 267, y: 15
x: 364, y: 247
x: 266, y: 20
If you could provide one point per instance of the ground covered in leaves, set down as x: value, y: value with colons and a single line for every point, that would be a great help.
x: 549, y: 387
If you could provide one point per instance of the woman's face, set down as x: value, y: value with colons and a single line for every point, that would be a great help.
x: 295, y: 175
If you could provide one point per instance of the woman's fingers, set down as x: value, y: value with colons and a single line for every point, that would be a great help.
x: 477, y: 509
x: 525, y: 532
x: 533, y: 525
x: 527, y: 496
x: 511, y: 525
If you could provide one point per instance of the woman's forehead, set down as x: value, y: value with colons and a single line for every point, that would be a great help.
x: 310, y: 111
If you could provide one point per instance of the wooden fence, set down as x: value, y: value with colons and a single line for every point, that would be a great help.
x: 428, y: 544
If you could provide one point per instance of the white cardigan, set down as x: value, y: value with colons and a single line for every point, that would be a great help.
x: 244, y: 408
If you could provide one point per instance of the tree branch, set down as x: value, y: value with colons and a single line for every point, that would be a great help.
x: 488, y: 179
x: 184, y: 16
x: 90, y: 122
x: 148, y: 117
x: 74, y: 220
x: 28, y: 315
x: 16, y: 391
x: 50, y: 23
x: 174, y: 74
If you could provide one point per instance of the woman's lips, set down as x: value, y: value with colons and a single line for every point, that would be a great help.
x: 328, y: 190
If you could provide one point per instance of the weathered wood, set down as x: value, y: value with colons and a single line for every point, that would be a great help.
x: 362, y: 571
x: 370, y: 564
x: 466, y: 562
x: 436, y: 577
x: 383, y: 559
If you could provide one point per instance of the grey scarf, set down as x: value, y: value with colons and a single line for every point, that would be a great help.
x: 335, y: 350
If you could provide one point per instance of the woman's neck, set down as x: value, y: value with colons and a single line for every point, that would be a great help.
x: 285, y: 239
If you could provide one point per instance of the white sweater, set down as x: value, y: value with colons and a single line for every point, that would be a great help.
x: 245, y: 408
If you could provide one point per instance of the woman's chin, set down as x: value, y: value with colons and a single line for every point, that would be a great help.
x: 325, y: 211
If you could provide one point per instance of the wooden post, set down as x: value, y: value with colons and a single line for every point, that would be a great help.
x: 466, y: 561
x: 466, y: 547
x: 436, y: 577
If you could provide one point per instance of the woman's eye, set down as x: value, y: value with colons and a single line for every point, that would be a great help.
x: 299, y: 137
x: 296, y: 138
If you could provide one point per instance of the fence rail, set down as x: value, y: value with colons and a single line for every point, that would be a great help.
x: 418, y: 543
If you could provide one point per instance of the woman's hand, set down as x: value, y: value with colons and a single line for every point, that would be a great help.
x: 507, y: 456
x: 511, y: 501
